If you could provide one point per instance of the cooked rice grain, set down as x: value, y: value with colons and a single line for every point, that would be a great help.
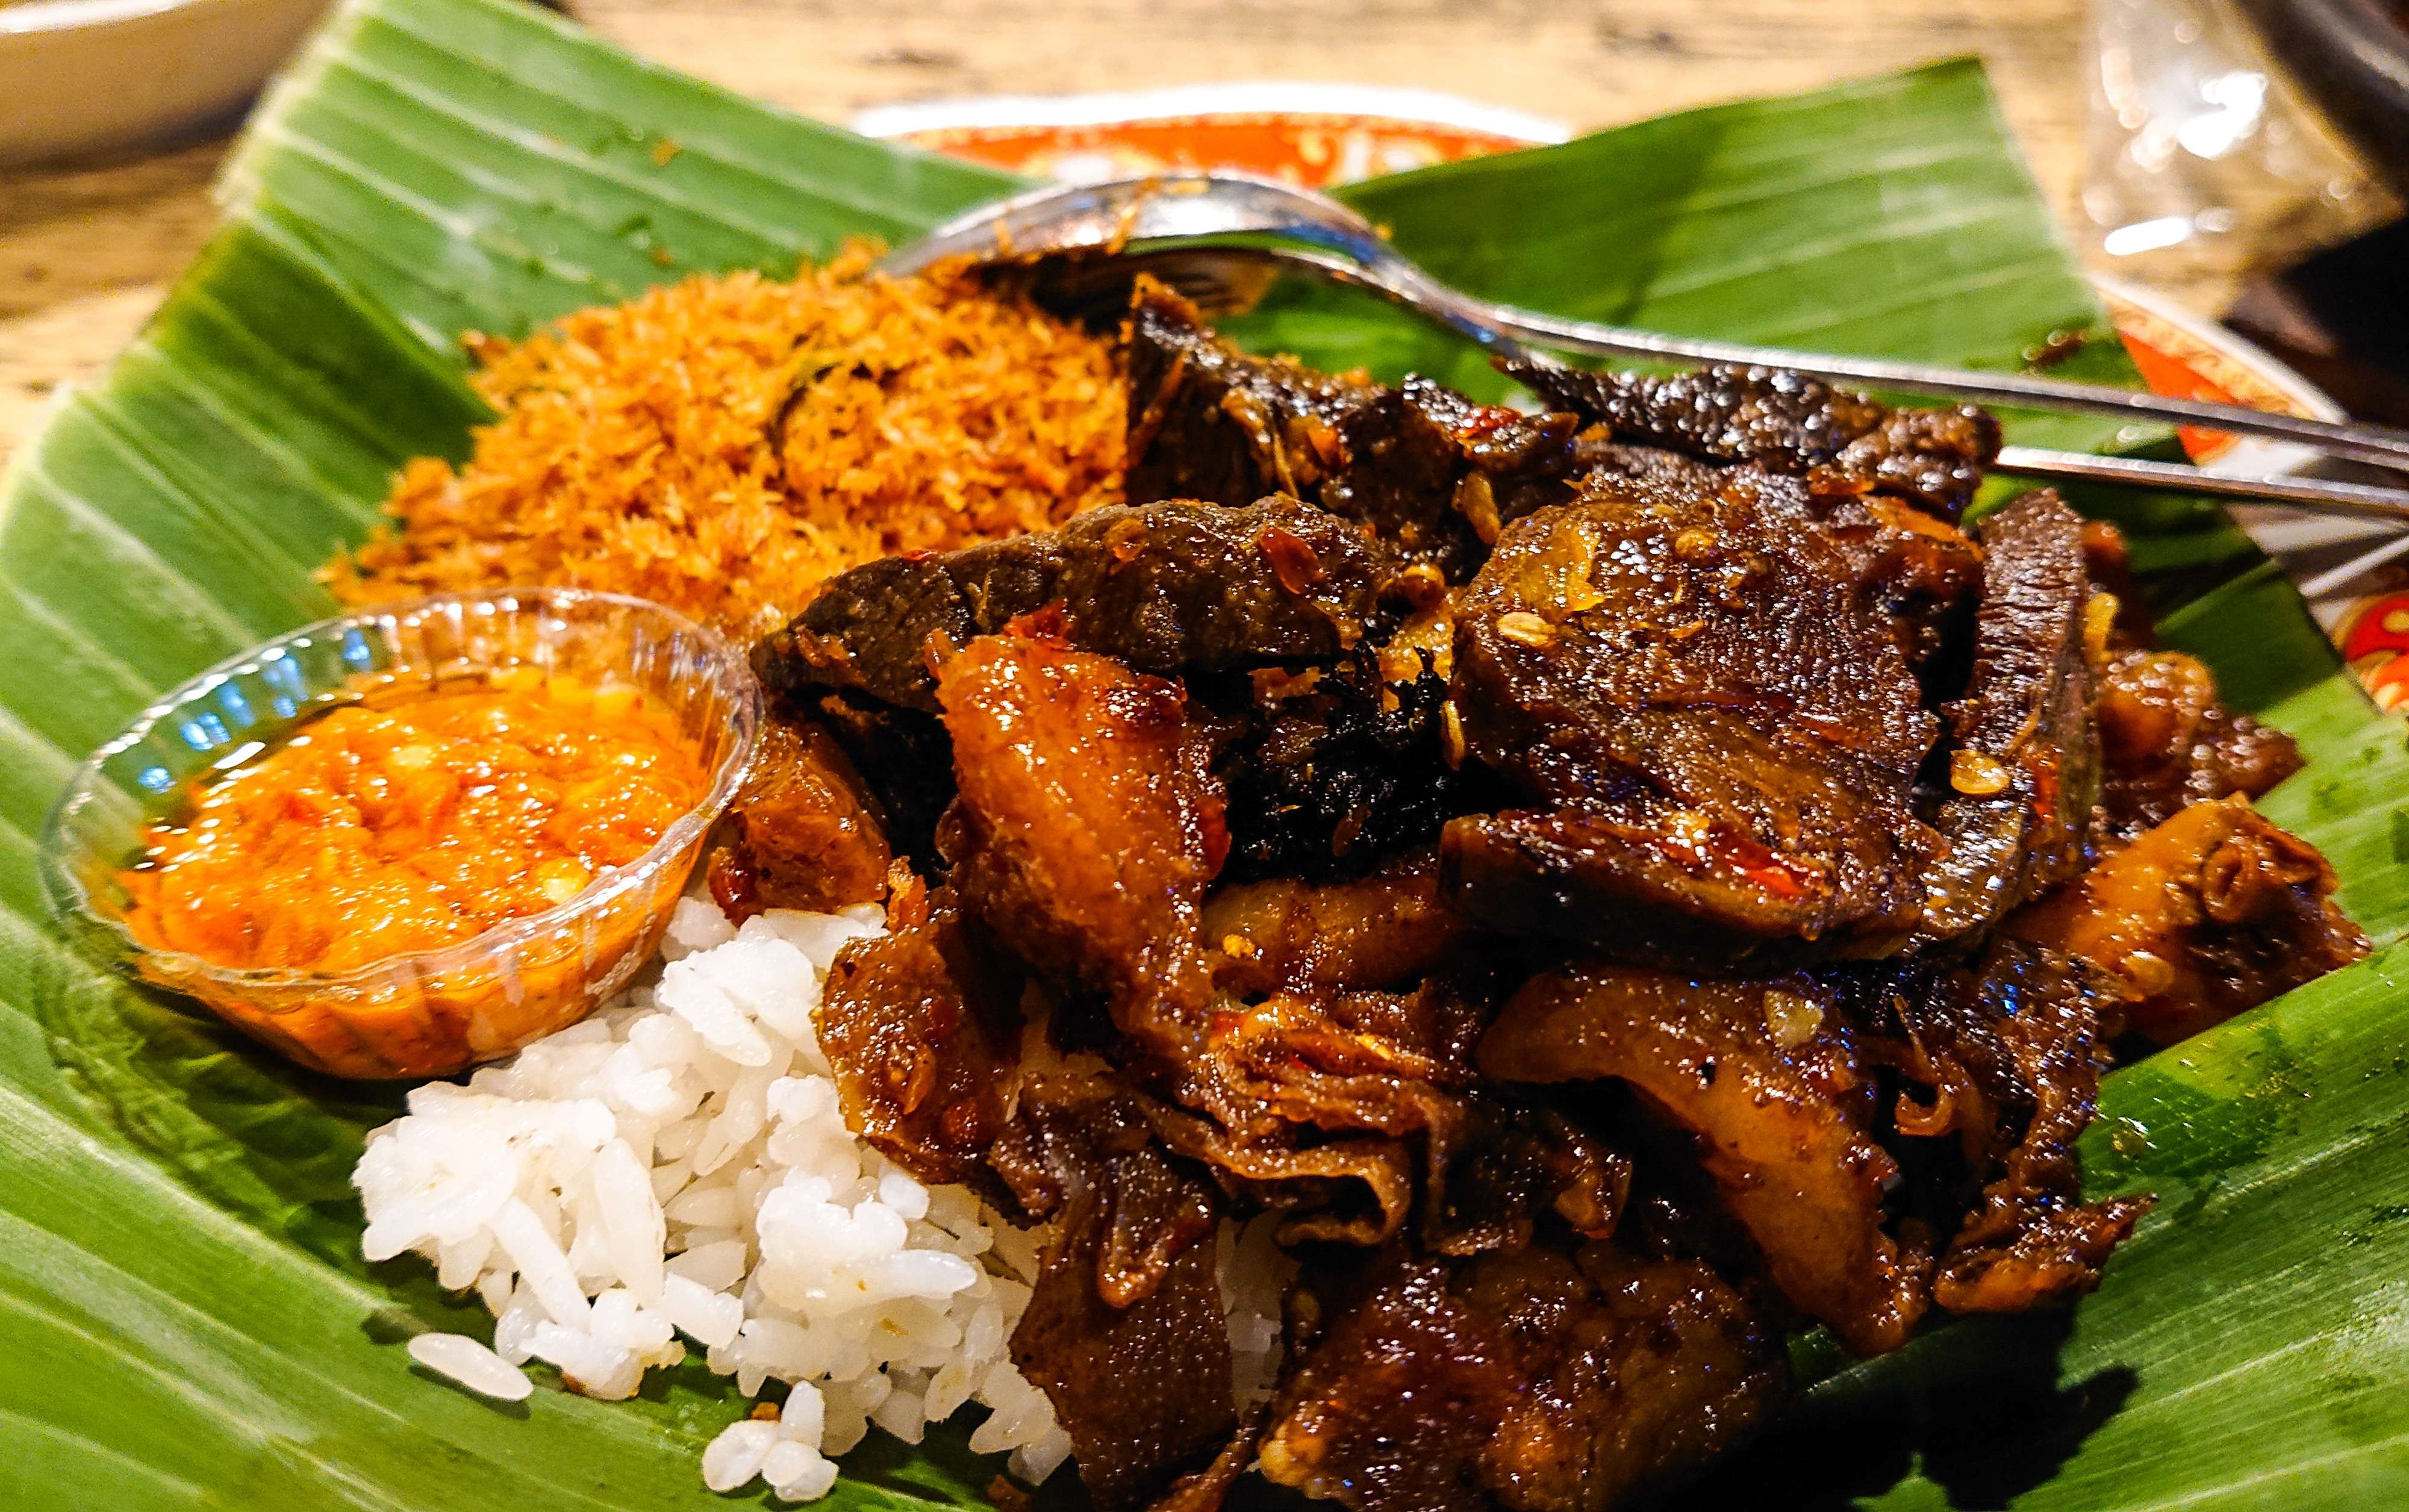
x: 723, y: 444
x: 676, y: 1170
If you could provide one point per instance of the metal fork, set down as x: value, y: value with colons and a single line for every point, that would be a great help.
x: 1219, y: 238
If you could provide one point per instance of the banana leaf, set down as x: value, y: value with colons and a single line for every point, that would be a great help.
x: 191, y: 1324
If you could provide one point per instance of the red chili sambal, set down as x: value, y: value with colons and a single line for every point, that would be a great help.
x: 413, y: 821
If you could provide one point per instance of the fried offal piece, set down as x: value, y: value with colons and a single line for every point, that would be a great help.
x: 807, y: 834
x: 1541, y: 1381
x: 1346, y: 767
x: 1722, y: 735
x: 1166, y: 587
x: 1084, y: 830
x: 1124, y: 1330
x: 1384, y: 931
x: 1520, y: 1164
x: 2010, y: 1050
x: 1768, y: 1080
x: 2025, y: 768
x: 1304, y: 1098
x: 904, y: 759
x: 921, y: 1027
x: 1785, y: 421
x: 2167, y: 741
x: 1427, y: 470
x: 1916, y: 564
x: 2213, y: 911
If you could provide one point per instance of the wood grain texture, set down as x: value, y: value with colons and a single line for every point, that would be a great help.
x: 85, y: 251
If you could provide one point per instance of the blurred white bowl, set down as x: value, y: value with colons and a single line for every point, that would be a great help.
x: 77, y: 76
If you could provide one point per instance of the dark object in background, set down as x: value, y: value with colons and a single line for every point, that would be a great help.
x: 2352, y: 57
x: 2340, y: 319
x: 2338, y: 316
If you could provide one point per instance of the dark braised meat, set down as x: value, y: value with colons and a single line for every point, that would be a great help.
x: 1427, y: 470
x: 2213, y: 911
x: 804, y: 830
x: 1720, y: 735
x: 1920, y: 568
x: 1085, y: 829
x: 902, y: 758
x: 1840, y: 442
x: 1769, y: 1081
x: 1124, y: 1330
x: 922, y: 1027
x: 2009, y: 1052
x: 1206, y: 1490
x: 1521, y: 1167
x: 1334, y: 770
x: 1302, y: 1100
x: 1355, y: 1190
x: 1388, y: 930
x: 2024, y: 763
x: 2166, y: 737
x: 1606, y: 897
x: 2167, y: 741
x: 1543, y: 1380
x: 1391, y: 1409
x: 1916, y: 567
x: 1165, y: 587
x: 2109, y: 561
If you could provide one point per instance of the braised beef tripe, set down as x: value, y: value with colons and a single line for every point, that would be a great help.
x: 1601, y: 889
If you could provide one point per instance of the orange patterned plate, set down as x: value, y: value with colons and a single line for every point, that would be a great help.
x: 2355, y: 575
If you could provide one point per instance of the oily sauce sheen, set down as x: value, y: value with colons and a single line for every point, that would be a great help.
x: 414, y: 822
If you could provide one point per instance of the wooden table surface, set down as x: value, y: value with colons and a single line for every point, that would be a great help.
x: 85, y: 252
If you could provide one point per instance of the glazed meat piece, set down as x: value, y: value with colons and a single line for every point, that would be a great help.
x: 2110, y: 562
x: 1919, y: 562
x: 2167, y: 741
x: 1332, y: 772
x: 2009, y: 1051
x: 922, y: 1028
x: 1922, y: 570
x: 1302, y: 1100
x: 904, y: 761
x: 1840, y: 442
x: 1917, y: 568
x: 1767, y: 1078
x: 1542, y: 1380
x: 1341, y: 1065
x: 1670, y: 1369
x: 2213, y: 911
x: 1391, y: 1409
x: 1356, y: 1191
x: 805, y: 831
x: 1522, y: 1166
x: 1207, y: 1489
x: 1719, y: 735
x: 1085, y: 829
x: 2024, y: 764
x: 1166, y: 587
x: 1384, y: 931
x: 1124, y: 1330
x: 1428, y: 471
x: 2166, y: 737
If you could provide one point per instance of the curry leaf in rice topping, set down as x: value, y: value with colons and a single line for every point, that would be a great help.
x: 723, y: 444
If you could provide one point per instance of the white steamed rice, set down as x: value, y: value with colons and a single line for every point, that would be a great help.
x: 676, y: 1168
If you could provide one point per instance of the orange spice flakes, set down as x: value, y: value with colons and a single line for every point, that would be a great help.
x: 414, y: 822
x: 723, y: 444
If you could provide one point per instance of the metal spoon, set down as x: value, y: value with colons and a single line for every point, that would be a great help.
x: 1187, y: 229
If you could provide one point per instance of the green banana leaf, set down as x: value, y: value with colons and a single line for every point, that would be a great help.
x: 188, y: 1321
